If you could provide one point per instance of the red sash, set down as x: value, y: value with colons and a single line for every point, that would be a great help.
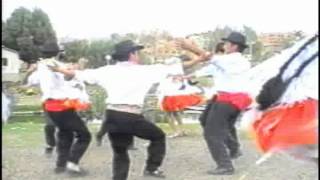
x: 180, y: 102
x: 65, y: 104
x: 240, y: 100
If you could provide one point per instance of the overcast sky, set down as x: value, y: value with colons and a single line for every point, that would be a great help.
x: 100, y: 18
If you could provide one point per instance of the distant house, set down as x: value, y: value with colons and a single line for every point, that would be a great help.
x: 11, y: 65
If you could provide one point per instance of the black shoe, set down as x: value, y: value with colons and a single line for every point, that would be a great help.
x: 222, y: 171
x: 155, y: 173
x: 59, y: 170
x: 236, y: 154
x: 98, y: 140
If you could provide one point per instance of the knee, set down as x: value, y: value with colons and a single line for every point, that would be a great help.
x: 161, y: 136
x: 85, y: 136
x: 49, y: 127
x: 209, y: 135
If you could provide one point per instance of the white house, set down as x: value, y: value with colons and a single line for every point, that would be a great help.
x: 11, y: 65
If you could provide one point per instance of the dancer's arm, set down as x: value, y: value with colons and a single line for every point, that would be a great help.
x: 188, y: 45
x: 67, y: 72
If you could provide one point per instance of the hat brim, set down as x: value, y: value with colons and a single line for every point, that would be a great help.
x: 240, y: 44
x: 138, y: 47
x: 119, y: 54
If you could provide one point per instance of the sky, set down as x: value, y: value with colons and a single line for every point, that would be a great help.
x: 100, y: 18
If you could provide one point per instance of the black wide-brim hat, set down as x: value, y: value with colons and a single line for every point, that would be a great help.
x: 125, y: 47
x: 236, y: 38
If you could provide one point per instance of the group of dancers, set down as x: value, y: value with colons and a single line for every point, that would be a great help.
x: 287, y: 103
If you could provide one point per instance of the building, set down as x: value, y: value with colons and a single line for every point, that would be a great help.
x: 275, y: 41
x: 11, y: 64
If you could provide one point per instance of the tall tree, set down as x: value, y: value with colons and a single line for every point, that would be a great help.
x: 27, y: 31
x: 41, y: 28
x: 18, y: 25
x: 75, y: 50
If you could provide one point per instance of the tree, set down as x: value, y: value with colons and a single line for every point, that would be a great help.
x: 27, y: 50
x: 41, y: 29
x: 27, y: 31
x: 4, y: 32
x: 75, y: 50
x: 97, y: 51
x: 19, y: 24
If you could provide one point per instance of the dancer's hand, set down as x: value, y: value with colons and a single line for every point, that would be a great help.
x: 54, y: 66
x: 186, y: 44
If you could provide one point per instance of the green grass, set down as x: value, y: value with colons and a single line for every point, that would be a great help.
x: 27, y: 131
x: 27, y: 108
x: 23, y: 132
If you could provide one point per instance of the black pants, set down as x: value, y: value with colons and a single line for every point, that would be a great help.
x: 49, y: 131
x: 218, y: 122
x: 122, y: 127
x: 73, y: 136
x: 104, y: 129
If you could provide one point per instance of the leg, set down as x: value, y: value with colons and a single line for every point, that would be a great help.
x: 216, y: 132
x: 232, y: 141
x: 103, y: 130
x: 49, y: 132
x: 136, y: 125
x: 178, y: 119
x: 82, y: 137
x: 171, y: 121
x: 120, y: 143
x: 157, y: 148
x: 69, y: 123
x: 204, y: 114
x: 65, y: 139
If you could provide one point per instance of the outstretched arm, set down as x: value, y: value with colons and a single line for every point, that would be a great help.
x: 67, y: 72
x: 188, y: 45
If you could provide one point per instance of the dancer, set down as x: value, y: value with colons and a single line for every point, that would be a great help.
x: 61, y: 98
x: 127, y: 83
x: 288, y: 105
x: 219, y: 117
x: 175, y: 95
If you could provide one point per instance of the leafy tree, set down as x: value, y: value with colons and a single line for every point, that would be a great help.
x: 75, y: 50
x: 19, y: 24
x: 41, y: 29
x: 97, y: 51
x: 27, y: 31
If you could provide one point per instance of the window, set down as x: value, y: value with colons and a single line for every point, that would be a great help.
x: 4, y: 61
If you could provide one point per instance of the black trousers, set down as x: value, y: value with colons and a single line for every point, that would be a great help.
x: 122, y: 127
x: 49, y: 130
x: 218, y: 122
x: 104, y: 129
x: 73, y: 136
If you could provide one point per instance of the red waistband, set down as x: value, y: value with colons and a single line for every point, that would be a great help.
x: 65, y: 104
x: 240, y: 100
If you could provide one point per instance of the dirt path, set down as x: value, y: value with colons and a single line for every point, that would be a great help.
x: 187, y: 159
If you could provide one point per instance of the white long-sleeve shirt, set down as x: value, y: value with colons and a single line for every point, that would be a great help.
x: 227, y: 71
x: 54, y: 86
x: 127, y: 83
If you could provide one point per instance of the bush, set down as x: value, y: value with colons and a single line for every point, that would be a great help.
x: 97, y: 98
